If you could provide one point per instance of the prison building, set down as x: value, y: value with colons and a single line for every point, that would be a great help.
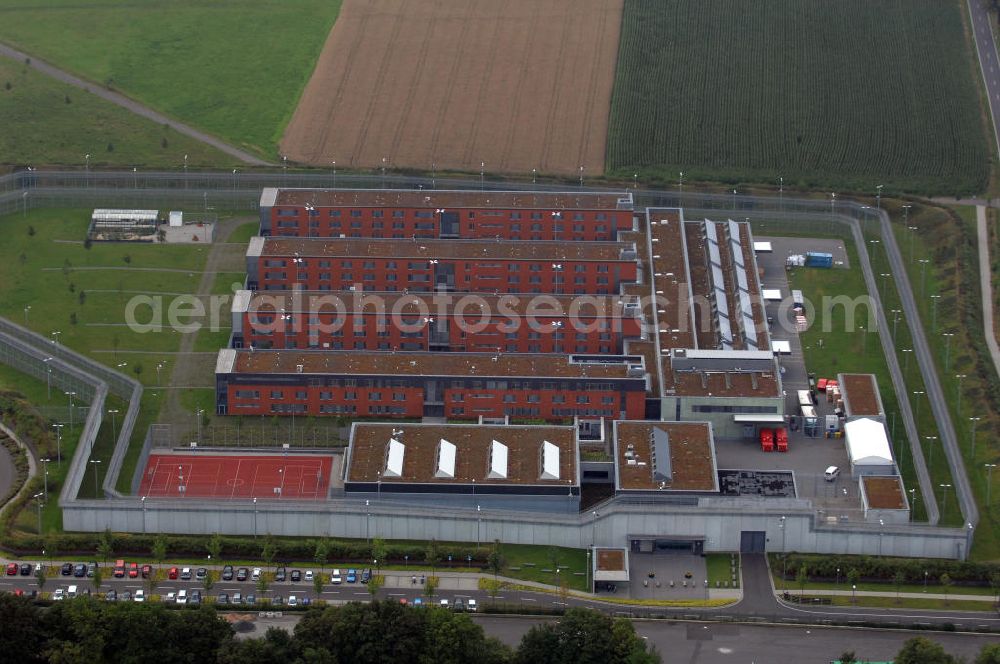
x: 458, y: 322
x: 860, y: 396
x: 414, y: 384
x: 664, y: 457
x: 381, y: 213
x: 577, y: 268
x: 476, y: 466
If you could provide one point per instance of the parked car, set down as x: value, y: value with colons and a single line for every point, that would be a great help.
x: 237, y: 598
x: 366, y: 575
x: 59, y: 595
x: 403, y: 601
x: 71, y: 592
x: 119, y: 569
x: 91, y: 568
x: 67, y: 569
x: 418, y: 601
x: 292, y: 600
x: 79, y: 570
x: 172, y: 573
x: 223, y: 598
x: 471, y: 606
x: 306, y: 601
x: 309, y: 575
x: 140, y: 596
x: 443, y: 604
x: 201, y: 574
x: 186, y: 574
x: 831, y: 473
x: 279, y: 574
x: 277, y: 600
x: 296, y: 576
x: 459, y: 604
x: 125, y: 596
x: 133, y: 570
x: 242, y: 574
x: 352, y: 575
x: 335, y: 577
x: 227, y: 573
x: 251, y: 599
x: 255, y: 575
x: 195, y: 597
x: 171, y: 596
x: 147, y: 570
x: 11, y: 569
x: 38, y: 569
x: 182, y: 597
x: 18, y: 592
x: 25, y: 569
x: 111, y: 596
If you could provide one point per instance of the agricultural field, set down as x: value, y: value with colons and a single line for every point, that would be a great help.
x: 462, y: 85
x: 233, y: 69
x: 58, y: 124
x: 848, y: 94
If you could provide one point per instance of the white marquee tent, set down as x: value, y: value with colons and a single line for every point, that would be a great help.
x: 868, y: 447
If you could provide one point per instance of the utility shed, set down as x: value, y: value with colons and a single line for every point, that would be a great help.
x: 868, y: 448
x: 884, y: 499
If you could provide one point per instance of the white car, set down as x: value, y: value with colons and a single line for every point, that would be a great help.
x: 293, y: 600
x: 471, y: 606
x: 140, y: 596
x: 170, y: 597
x: 443, y: 604
x: 335, y: 578
x: 309, y: 575
x: 255, y: 575
x: 182, y: 597
x: 59, y: 595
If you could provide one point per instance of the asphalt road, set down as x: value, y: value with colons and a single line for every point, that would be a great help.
x: 989, y: 62
x: 130, y: 105
x: 714, y: 643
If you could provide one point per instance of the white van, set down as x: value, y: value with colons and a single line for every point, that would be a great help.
x: 335, y: 577
x: 71, y: 592
x: 831, y: 473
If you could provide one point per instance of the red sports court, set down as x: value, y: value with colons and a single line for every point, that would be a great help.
x: 236, y: 476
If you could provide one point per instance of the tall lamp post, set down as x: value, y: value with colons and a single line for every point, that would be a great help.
x: 40, y: 505
x: 255, y: 518
x: 58, y: 428
x: 70, y: 395
x: 784, y: 555
x: 94, y: 463
x: 45, y: 461
x: 934, y: 305
x: 944, y: 497
x: 958, y: 391
x: 930, y: 440
x: 143, y: 499
x: 113, y: 412
x: 200, y: 412
x: 989, y: 482
x: 975, y: 421
x: 947, y: 348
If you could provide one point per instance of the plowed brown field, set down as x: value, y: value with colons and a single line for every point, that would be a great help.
x: 517, y: 84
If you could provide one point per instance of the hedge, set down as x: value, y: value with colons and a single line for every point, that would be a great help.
x: 883, y: 569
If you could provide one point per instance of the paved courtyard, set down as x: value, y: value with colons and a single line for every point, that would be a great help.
x: 670, y: 571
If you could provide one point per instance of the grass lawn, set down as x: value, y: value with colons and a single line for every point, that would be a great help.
x: 234, y: 69
x: 242, y: 234
x: 851, y: 347
x: 719, y: 568
x: 869, y: 586
x: 913, y: 603
x: 59, y: 124
x: 797, y: 116
x: 538, y: 563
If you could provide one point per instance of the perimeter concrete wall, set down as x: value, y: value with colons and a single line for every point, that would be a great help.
x: 787, y: 524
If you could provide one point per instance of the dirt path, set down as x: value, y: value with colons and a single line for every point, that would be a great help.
x: 135, y: 107
x: 195, y: 369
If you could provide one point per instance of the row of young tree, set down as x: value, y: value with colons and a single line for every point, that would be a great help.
x: 85, y: 630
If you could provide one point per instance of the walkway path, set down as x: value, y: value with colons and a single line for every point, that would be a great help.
x: 130, y: 105
x: 986, y: 286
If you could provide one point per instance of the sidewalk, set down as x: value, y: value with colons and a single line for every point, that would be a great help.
x: 879, y: 593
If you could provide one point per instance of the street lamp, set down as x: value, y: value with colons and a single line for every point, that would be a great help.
x: 94, y: 463
x: 48, y: 377
x: 593, y: 531
x: 334, y: 173
x: 895, y: 322
x: 885, y: 279
x: 255, y: 518
x: 958, y: 392
x: 930, y: 440
x: 113, y: 412
x: 70, y: 395
x: 881, y: 524
x: 906, y: 361
x: 368, y: 518
x: 55, y: 337
x: 200, y: 411
x: 923, y: 274
x: 46, y: 464
x: 918, y: 394
x: 944, y: 497
x: 58, y: 428
x: 947, y: 348
x: 989, y: 482
x: 27, y: 308
x: 40, y: 505
x: 784, y: 555
x: 934, y: 302
x: 913, y: 501
x: 975, y: 421
x: 479, y: 525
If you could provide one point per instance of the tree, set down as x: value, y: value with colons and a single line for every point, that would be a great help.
x: 318, y: 584
x: 153, y: 580
x: 97, y: 579
x: 495, y: 561
x: 209, y: 580
x: 921, y: 650
x: 41, y: 577
x: 268, y: 550
x: 432, y: 554
x: 801, y: 577
x: 379, y: 552
x: 899, y: 579
x: 321, y: 553
x: 848, y: 657
x: 104, y: 550
x: 375, y: 584
x: 214, y: 546
x: 430, y: 586
x: 584, y: 635
x: 990, y: 654
x: 160, y: 549
x: 945, y: 581
x: 262, y: 585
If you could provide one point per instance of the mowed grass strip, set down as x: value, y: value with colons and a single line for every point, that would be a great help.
x: 848, y: 94
x: 59, y: 124
x: 233, y: 68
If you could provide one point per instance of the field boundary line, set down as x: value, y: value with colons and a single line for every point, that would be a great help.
x: 128, y: 104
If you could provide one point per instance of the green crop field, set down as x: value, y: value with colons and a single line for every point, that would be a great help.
x: 846, y: 94
x: 234, y: 69
x: 58, y: 124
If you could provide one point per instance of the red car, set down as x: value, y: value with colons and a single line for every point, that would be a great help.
x: 146, y: 571
x: 12, y: 569
x: 133, y: 570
